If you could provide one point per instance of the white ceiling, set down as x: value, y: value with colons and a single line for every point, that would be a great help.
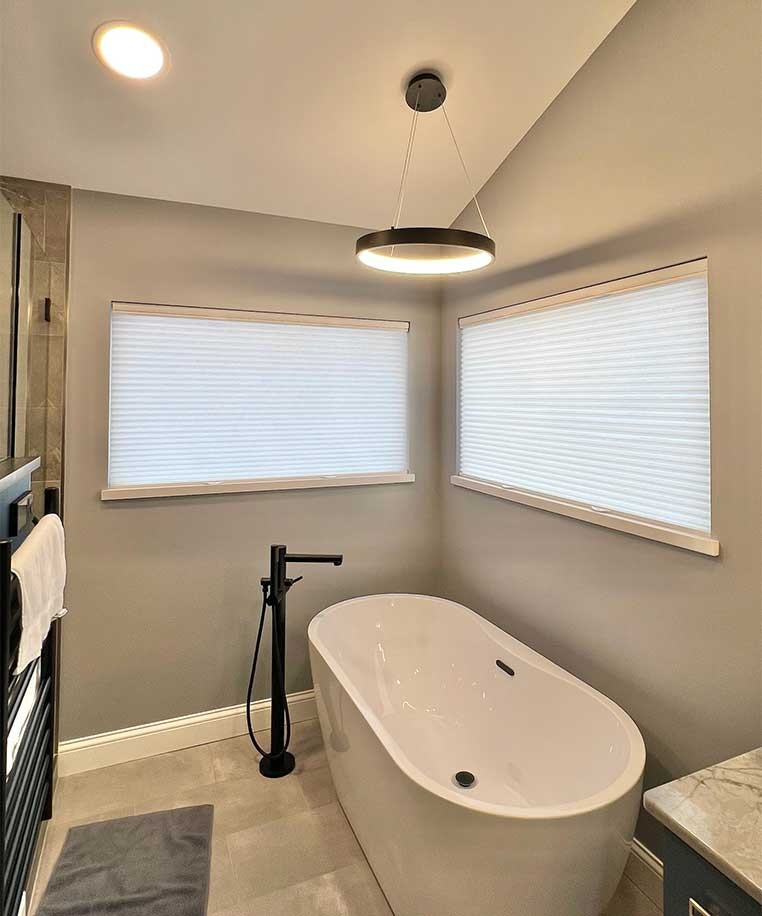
x: 292, y: 107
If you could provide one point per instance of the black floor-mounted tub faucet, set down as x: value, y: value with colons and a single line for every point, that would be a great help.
x: 278, y: 761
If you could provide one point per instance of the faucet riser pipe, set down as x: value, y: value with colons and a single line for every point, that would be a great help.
x: 280, y: 763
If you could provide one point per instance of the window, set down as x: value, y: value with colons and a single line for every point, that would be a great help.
x: 595, y: 404
x: 216, y: 400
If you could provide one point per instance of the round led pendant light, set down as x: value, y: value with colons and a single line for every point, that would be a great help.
x: 426, y: 251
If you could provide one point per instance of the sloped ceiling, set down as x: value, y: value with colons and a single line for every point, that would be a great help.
x: 291, y: 108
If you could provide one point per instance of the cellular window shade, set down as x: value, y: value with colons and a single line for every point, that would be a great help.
x: 604, y: 402
x: 200, y: 399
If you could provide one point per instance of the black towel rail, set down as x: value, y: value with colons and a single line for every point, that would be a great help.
x: 26, y: 792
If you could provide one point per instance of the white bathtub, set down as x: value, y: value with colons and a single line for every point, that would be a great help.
x: 408, y: 694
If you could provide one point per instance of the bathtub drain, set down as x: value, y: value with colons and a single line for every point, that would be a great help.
x: 465, y: 779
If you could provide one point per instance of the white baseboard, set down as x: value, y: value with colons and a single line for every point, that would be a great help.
x: 105, y: 750
x: 646, y: 872
x: 648, y: 858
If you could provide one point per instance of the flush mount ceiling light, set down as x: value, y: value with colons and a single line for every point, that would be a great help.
x: 422, y: 250
x: 128, y: 50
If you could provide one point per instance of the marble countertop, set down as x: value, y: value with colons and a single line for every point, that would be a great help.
x: 718, y: 812
x: 12, y: 469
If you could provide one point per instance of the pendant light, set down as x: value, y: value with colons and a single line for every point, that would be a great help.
x: 426, y: 251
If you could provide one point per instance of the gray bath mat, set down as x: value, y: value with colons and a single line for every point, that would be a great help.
x: 155, y: 864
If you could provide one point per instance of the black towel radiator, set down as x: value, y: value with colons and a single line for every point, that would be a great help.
x: 26, y: 793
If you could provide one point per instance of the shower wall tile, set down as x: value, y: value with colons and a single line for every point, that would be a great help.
x: 56, y: 224
x: 36, y: 426
x: 53, y: 427
x: 37, y: 391
x: 56, y: 363
x: 57, y: 325
x: 40, y: 289
x: 52, y: 465
x: 38, y: 252
x: 38, y: 495
x: 28, y: 198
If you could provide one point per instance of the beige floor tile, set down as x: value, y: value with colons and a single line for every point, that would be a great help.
x: 87, y: 795
x: 237, y: 759
x: 92, y: 793
x: 629, y: 901
x: 349, y: 891
x: 316, y: 786
x: 307, y: 746
x: 239, y: 804
x: 222, y: 885
x: 645, y: 879
x: 176, y: 772
x: 291, y: 850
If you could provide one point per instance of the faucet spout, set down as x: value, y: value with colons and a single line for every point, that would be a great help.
x: 336, y: 558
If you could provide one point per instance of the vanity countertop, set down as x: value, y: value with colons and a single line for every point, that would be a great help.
x: 12, y: 469
x: 718, y: 812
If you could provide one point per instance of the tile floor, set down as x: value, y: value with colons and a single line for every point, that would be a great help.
x: 280, y: 847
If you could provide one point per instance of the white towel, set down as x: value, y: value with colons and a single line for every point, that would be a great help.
x: 40, y: 566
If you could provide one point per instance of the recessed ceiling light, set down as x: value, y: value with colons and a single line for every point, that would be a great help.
x: 128, y: 50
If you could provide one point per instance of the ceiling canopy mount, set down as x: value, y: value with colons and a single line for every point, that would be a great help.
x: 425, y: 92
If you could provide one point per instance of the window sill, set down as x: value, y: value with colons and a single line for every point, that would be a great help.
x: 688, y: 539
x: 151, y: 491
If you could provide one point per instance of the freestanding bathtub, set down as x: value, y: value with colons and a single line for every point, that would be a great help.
x: 409, y: 694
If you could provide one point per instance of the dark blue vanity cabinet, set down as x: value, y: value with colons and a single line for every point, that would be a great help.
x: 693, y: 887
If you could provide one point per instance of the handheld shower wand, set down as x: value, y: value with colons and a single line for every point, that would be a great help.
x: 278, y: 761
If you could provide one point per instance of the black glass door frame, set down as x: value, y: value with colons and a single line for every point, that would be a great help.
x: 14, y: 335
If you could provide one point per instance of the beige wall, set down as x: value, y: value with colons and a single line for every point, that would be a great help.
x: 164, y: 594
x: 649, y: 157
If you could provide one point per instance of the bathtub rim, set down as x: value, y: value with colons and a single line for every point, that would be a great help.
x: 631, y: 776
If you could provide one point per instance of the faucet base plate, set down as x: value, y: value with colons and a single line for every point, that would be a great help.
x: 275, y: 767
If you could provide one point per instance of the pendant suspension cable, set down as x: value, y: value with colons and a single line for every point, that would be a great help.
x: 406, y: 164
x: 465, y: 170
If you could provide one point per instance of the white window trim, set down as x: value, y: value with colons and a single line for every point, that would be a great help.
x: 152, y: 491
x: 630, y: 524
x: 697, y: 268
x: 221, y: 314
x: 256, y: 485
x: 686, y: 538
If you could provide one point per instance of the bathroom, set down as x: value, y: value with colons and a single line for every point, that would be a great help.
x: 600, y: 161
